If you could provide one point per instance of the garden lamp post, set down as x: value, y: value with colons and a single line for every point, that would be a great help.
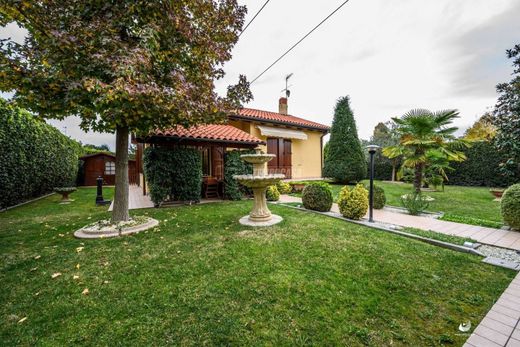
x: 372, y: 149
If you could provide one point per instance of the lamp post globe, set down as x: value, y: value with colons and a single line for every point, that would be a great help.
x: 372, y: 149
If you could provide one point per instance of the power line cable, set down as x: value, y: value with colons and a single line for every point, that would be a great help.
x: 252, y: 19
x: 299, y: 41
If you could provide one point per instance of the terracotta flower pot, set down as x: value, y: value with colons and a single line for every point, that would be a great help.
x: 497, y: 192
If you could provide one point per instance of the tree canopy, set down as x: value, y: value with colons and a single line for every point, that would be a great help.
x: 507, y: 116
x: 123, y: 66
x: 426, y: 138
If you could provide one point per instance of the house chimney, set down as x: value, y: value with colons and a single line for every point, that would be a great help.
x: 282, y: 106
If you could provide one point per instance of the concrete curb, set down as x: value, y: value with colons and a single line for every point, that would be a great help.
x: 438, y: 243
x: 26, y: 202
x: 84, y: 233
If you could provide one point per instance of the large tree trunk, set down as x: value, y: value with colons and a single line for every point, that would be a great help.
x: 120, y: 211
x: 417, y: 182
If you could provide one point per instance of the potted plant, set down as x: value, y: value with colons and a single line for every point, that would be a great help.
x: 497, y: 192
x: 65, y: 191
x: 297, y: 186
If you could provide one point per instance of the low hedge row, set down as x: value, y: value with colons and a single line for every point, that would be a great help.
x: 34, y: 156
x: 173, y: 173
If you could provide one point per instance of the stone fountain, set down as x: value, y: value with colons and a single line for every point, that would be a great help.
x: 259, y: 181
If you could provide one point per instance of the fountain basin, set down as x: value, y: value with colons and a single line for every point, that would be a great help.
x: 259, y: 181
x: 253, y: 181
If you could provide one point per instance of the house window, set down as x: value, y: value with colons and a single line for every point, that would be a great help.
x: 110, y: 168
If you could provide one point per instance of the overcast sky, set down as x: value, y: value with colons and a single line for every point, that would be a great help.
x: 389, y: 56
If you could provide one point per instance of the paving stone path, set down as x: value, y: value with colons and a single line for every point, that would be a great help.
x: 488, y: 236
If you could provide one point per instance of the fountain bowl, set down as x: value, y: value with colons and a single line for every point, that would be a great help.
x: 257, y: 158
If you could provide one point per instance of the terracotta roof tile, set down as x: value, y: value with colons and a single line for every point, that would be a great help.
x: 219, y: 132
x: 267, y: 116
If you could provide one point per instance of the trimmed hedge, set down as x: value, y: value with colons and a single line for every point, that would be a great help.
x: 272, y: 193
x: 34, y: 156
x: 174, y: 173
x: 317, y: 196
x: 284, y: 187
x: 510, y: 206
x: 379, y: 196
x: 353, y: 203
x: 233, y: 165
x: 481, y: 168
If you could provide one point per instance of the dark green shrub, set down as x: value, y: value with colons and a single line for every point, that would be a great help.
x: 353, y: 203
x: 510, y: 206
x: 345, y: 160
x: 272, y: 194
x: 173, y: 172
x: 415, y: 203
x: 481, y: 168
x: 379, y: 196
x: 233, y: 165
x: 317, y: 196
x: 34, y: 156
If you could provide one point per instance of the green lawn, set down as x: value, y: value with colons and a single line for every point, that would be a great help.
x: 203, y: 279
x: 471, y: 205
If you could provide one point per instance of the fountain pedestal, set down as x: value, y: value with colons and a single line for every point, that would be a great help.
x: 258, y: 182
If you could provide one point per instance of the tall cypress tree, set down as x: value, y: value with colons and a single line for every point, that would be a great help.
x: 345, y: 161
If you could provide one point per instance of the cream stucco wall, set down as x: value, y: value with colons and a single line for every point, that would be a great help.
x: 306, y: 154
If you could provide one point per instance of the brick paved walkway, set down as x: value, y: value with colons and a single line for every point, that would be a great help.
x: 500, y: 326
x: 489, y: 236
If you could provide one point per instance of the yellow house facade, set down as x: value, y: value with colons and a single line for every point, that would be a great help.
x: 296, y: 142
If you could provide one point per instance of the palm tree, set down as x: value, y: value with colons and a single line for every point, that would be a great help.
x: 423, y: 133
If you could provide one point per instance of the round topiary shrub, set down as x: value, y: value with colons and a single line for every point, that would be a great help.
x: 317, y: 196
x: 353, y: 203
x: 284, y: 187
x: 272, y: 194
x: 379, y: 196
x: 510, y: 206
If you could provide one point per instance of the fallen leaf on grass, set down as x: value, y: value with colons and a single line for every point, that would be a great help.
x: 85, y: 291
x: 79, y: 249
x: 77, y: 266
x: 33, y: 269
x: 22, y: 320
x: 56, y: 274
x: 75, y: 277
x: 61, y: 235
x: 37, y: 257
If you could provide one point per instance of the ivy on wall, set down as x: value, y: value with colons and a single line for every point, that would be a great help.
x: 173, y: 172
x: 34, y: 156
x: 233, y: 165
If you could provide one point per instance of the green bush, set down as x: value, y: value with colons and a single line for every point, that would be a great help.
x: 233, y: 165
x: 284, y: 187
x: 272, y: 193
x: 379, y: 196
x: 174, y: 173
x: 481, y: 168
x: 353, y: 203
x: 510, y: 206
x: 34, y: 156
x: 415, y: 203
x: 317, y: 196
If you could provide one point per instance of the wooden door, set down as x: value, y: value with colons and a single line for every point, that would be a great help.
x: 272, y: 148
x: 282, y: 164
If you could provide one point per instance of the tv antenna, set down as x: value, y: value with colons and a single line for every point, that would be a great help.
x: 286, y: 89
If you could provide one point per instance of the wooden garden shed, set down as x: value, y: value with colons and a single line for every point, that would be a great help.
x: 104, y: 165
